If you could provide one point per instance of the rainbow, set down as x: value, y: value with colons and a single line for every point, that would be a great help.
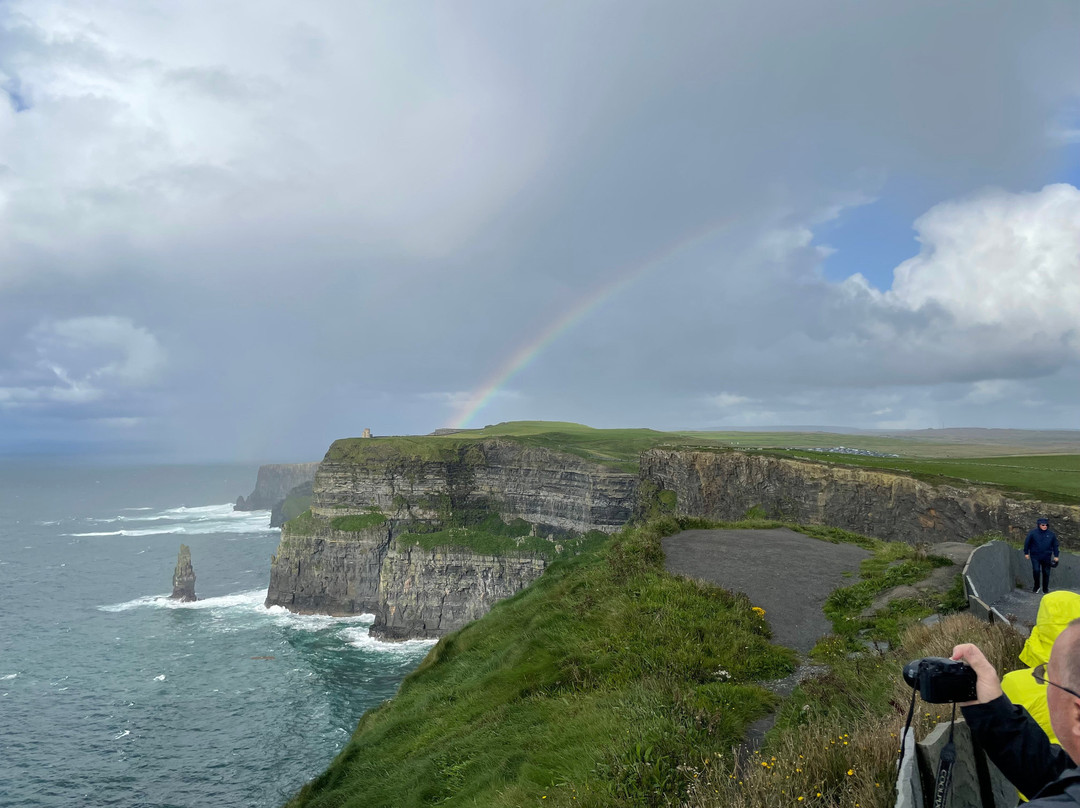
x: 525, y: 355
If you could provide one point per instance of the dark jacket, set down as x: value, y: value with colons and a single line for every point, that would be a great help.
x: 1041, y: 544
x: 1018, y: 746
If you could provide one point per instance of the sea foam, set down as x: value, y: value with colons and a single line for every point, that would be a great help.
x: 185, y: 521
x: 359, y: 638
x: 244, y: 604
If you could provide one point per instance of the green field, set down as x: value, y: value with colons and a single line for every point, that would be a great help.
x: 1052, y: 478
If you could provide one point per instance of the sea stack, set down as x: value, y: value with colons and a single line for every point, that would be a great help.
x: 183, y: 580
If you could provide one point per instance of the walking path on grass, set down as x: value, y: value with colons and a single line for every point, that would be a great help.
x: 787, y: 574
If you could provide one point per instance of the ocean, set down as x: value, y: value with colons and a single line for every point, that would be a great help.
x: 112, y: 695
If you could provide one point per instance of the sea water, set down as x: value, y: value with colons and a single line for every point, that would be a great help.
x: 113, y: 695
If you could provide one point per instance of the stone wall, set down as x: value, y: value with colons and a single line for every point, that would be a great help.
x: 726, y: 484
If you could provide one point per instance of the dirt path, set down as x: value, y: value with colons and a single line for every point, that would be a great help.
x: 786, y: 573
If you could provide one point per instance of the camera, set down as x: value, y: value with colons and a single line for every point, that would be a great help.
x: 941, y: 680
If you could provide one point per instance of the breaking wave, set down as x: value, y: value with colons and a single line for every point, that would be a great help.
x: 183, y: 521
x: 249, y: 604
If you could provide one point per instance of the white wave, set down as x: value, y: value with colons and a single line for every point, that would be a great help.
x: 248, y: 603
x: 359, y: 638
x: 160, y: 678
x: 9, y: 676
x: 123, y: 734
x: 315, y: 622
x: 246, y: 600
x: 187, y: 521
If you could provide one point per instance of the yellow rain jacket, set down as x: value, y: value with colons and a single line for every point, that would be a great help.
x: 1056, y: 611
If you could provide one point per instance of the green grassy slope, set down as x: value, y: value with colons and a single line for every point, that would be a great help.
x: 588, y: 688
x: 610, y: 683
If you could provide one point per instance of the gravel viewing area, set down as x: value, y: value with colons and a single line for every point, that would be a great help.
x: 787, y: 574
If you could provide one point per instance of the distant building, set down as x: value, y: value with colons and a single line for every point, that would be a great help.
x: 367, y: 433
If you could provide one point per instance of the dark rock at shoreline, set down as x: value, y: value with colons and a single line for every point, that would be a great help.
x: 184, y: 577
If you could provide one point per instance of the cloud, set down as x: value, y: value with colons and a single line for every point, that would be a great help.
x: 996, y: 283
x: 82, y: 361
x: 727, y: 400
x: 352, y: 204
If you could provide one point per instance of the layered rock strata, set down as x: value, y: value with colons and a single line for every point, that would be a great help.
x: 326, y: 571
x: 726, y: 484
x: 273, y: 484
x: 183, y: 582
x: 416, y: 592
x: 550, y: 489
x: 413, y: 592
x: 428, y: 593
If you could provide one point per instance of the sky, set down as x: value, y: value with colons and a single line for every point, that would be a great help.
x: 239, y: 230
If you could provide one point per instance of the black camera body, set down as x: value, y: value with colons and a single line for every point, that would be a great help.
x: 941, y: 680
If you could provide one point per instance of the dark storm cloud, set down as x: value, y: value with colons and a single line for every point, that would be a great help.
x: 354, y: 216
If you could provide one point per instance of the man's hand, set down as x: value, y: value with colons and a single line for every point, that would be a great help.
x: 988, y: 685
x: 1027, y: 556
x: 1055, y: 559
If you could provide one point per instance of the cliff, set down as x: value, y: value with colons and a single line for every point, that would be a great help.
x: 412, y: 591
x: 319, y: 570
x: 446, y: 480
x: 273, y: 484
x: 429, y: 593
x: 727, y: 484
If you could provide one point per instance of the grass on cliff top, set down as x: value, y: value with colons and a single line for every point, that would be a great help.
x: 1053, y: 478
x: 610, y: 683
x: 594, y: 686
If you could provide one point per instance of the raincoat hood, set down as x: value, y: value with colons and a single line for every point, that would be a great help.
x: 1056, y: 611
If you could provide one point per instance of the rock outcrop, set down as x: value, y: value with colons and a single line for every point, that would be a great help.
x: 553, y: 490
x: 422, y: 485
x: 429, y: 593
x: 183, y: 581
x: 413, y: 592
x: 273, y: 484
x: 325, y: 571
x: 886, y: 505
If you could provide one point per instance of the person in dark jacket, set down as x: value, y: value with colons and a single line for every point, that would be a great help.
x: 1014, y: 742
x: 1041, y: 548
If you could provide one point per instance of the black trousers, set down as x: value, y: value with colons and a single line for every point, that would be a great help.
x: 1043, y: 565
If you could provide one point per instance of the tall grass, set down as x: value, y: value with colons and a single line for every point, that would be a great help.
x: 837, y: 737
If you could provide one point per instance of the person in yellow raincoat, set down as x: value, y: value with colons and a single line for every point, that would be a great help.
x: 1056, y: 611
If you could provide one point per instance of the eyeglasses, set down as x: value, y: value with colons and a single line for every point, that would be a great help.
x: 1039, y: 675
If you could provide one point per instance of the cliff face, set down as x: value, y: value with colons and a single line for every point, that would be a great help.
x: 274, y: 483
x: 428, y: 593
x: 547, y: 488
x: 412, y: 592
x: 326, y: 571
x: 725, y: 485
x: 415, y: 592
